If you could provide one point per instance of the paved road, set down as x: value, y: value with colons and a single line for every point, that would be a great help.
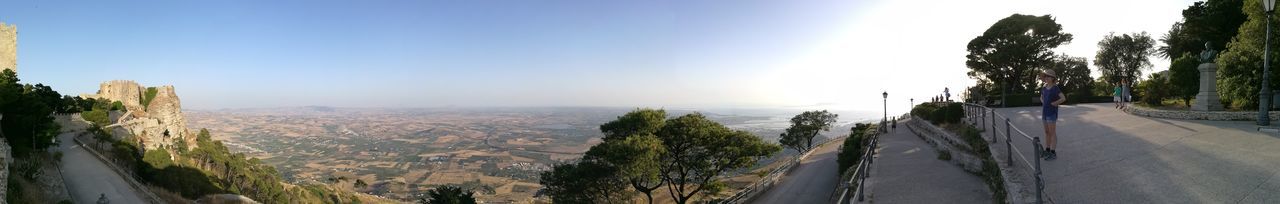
x: 87, y: 177
x: 810, y: 182
x: 1108, y: 156
x: 907, y: 170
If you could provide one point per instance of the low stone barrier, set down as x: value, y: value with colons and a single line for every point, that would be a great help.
x: 1198, y: 115
x: 944, y: 140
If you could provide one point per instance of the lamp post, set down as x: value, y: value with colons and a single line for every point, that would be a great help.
x: 886, y: 105
x: 1264, y: 104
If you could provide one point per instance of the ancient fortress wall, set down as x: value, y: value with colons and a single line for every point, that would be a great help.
x: 8, y: 47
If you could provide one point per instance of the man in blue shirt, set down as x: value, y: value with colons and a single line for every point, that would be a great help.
x: 1050, y: 98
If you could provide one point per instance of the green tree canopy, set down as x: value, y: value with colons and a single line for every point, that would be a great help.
x: 1240, y: 66
x: 1073, y: 74
x: 1184, y: 77
x: 586, y: 181
x: 448, y: 195
x: 1011, y: 49
x: 1123, y: 57
x: 804, y: 127
x: 637, y: 159
x: 1213, y: 21
x: 637, y: 122
x: 700, y: 150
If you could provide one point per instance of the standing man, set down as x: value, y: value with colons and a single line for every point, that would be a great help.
x: 946, y: 91
x: 1051, y: 96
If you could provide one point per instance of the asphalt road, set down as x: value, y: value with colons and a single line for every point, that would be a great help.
x: 811, y: 182
x: 88, y: 178
x: 1108, y: 156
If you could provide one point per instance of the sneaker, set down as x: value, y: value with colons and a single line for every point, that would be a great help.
x: 1044, y: 153
x: 1051, y: 157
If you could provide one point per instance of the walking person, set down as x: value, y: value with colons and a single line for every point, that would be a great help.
x: 1051, y: 97
x: 1117, y: 96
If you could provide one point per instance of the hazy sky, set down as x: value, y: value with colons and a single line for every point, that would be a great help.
x: 386, y: 53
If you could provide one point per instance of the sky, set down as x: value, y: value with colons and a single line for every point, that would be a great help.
x: 671, y: 54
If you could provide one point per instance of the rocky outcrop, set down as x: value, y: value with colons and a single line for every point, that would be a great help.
x: 158, y: 124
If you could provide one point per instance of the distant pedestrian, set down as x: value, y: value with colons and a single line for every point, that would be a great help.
x: 1051, y: 96
x: 1117, y: 95
x: 1127, y: 92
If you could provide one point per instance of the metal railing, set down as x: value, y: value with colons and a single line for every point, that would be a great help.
x: 978, y: 115
x: 855, y: 184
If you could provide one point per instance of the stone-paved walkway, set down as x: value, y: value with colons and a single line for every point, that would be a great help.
x: 907, y: 171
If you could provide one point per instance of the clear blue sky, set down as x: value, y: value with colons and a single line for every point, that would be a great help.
x: 228, y: 54
x: 838, y: 54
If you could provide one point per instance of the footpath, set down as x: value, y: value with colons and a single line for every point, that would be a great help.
x: 1108, y: 156
x: 907, y: 170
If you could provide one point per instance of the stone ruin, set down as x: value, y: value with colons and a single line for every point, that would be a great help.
x: 157, y: 125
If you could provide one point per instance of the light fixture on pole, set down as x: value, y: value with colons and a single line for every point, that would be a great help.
x: 1264, y: 96
x: 886, y: 105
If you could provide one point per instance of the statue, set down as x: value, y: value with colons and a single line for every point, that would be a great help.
x: 1208, y: 54
x: 1207, y: 99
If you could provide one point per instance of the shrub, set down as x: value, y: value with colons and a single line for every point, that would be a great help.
x: 944, y: 155
x: 853, y: 146
x: 117, y: 106
x: 150, y: 95
x: 96, y: 116
x: 939, y: 113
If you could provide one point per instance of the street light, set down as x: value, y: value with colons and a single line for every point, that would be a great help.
x: 886, y: 105
x: 1264, y: 118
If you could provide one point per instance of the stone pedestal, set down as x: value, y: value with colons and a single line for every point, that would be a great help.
x: 1207, y: 99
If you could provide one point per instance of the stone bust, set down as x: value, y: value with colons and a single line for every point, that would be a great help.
x: 1208, y: 54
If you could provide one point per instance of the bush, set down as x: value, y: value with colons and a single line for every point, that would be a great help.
x: 853, y: 146
x: 1154, y: 90
x: 117, y: 106
x: 939, y: 113
x: 150, y: 95
x: 98, y: 117
x: 944, y: 155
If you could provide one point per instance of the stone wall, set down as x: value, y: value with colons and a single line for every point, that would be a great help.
x: 8, y: 47
x: 6, y: 158
x: 1198, y: 115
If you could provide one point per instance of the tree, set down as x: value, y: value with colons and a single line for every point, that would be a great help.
x: 804, y: 127
x: 630, y: 145
x: 1073, y: 75
x: 1155, y: 89
x: 1123, y: 57
x: 700, y: 150
x: 448, y: 195
x: 360, y: 184
x: 1240, y: 65
x: 637, y: 122
x: 1184, y: 77
x: 585, y: 181
x: 27, y: 123
x: 1009, y: 51
x: 1213, y: 21
x: 636, y: 159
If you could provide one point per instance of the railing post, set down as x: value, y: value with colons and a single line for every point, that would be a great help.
x: 1007, y: 145
x: 1039, y: 182
x: 994, y: 136
x: 861, y: 181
